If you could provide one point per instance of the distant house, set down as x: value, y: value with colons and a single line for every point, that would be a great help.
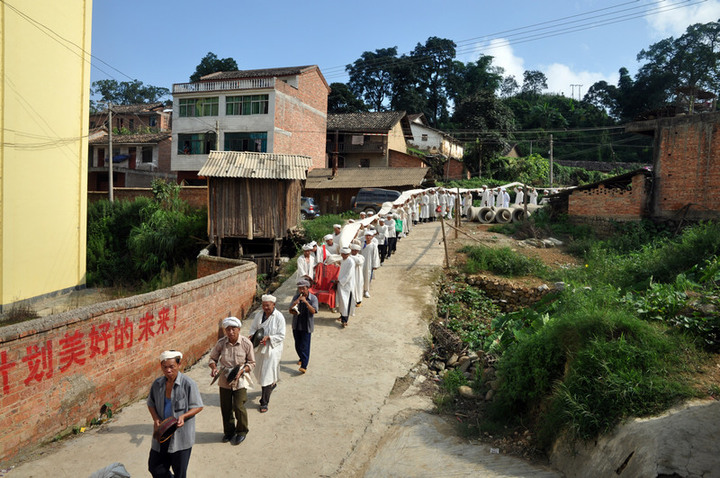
x: 433, y: 141
x: 332, y: 193
x: 274, y: 110
x: 140, y: 118
x: 370, y: 140
x: 137, y: 160
x: 253, y: 201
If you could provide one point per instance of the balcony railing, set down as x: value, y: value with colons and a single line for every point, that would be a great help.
x: 224, y: 85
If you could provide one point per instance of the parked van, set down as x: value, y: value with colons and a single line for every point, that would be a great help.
x: 371, y: 199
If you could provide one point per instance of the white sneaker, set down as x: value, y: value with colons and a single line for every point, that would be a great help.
x: 366, y: 295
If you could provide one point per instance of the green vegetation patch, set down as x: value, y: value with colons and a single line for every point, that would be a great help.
x: 501, y: 261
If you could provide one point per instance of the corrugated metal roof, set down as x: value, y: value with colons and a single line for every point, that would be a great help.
x: 348, y: 178
x: 241, y: 164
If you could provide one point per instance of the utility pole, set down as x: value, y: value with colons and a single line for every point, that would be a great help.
x: 551, y: 160
x: 217, y: 136
x: 110, y: 149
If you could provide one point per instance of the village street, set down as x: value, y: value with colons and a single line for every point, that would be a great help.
x: 345, y: 417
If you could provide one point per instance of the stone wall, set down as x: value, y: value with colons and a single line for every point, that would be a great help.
x: 57, y: 372
x: 508, y: 296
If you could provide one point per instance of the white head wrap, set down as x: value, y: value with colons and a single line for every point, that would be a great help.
x: 338, y: 226
x: 345, y: 250
x: 355, y: 247
x: 268, y: 298
x: 231, y: 322
x: 313, y: 244
x: 170, y: 354
x: 307, y: 247
x: 370, y: 213
x: 369, y: 232
x: 327, y: 237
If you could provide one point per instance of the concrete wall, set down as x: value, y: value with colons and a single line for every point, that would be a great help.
x: 44, y: 111
x: 56, y: 372
x: 620, y: 204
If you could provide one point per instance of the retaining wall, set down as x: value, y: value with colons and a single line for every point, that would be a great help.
x: 57, y: 371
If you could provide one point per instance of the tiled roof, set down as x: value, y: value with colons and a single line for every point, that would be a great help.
x: 240, y: 164
x: 262, y: 73
x: 350, y: 178
x: 145, y: 138
x: 137, y: 109
x: 364, y: 122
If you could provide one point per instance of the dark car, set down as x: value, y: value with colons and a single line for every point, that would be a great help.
x: 308, y: 208
x: 371, y: 199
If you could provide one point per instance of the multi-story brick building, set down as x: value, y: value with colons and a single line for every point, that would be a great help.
x: 140, y: 118
x: 274, y: 110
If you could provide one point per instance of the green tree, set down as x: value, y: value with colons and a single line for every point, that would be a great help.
x: 473, y: 77
x: 128, y: 92
x: 435, y: 62
x: 342, y: 100
x: 406, y: 92
x: 371, y: 76
x: 534, y: 82
x: 211, y: 64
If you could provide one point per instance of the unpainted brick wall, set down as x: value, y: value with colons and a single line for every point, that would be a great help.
x: 56, y: 372
x: 612, y: 203
x: 401, y: 160
x: 196, y: 196
x: 687, y: 166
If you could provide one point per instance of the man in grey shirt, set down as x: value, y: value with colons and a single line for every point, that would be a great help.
x: 173, y: 395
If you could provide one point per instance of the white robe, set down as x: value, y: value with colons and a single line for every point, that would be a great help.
x: 359, y: 277
x: 337, y: 242
x: 505, y: 199
x: 306, y: 268
x: 433, y: 205
x: 372, y: 262
x: 345, y: 287
x: 533, y: 195
x: 424, y: 206
x: 498, y: 198
x: 519, y: 196
x: 467, y: 203
x: 267, y: 357
x: 486, y: 198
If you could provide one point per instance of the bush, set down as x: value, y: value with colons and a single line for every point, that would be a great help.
x: 502, y: 261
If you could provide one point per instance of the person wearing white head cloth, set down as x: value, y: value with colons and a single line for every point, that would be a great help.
x: 173, y: 395
x: 519, y: 196
x: 270, y: 349
x: 485, y: 197
x: 344, y: 300
x: 229, y: 352
x: 467, y: 203
x: 337, y: 232
x: 505, y: 198
x: 306, y: 264
x: 372, y: 261
x: 433, y: 204
x: 533, y: 195
x: 359, y: 276
x: 326, y: 249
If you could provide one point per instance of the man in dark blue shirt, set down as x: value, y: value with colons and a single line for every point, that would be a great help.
x: 303, y: 308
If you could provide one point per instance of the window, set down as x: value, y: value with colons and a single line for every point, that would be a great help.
x: 147, y: 154
x: 364, y: 163
x: 200, y: 143
x: 131, y: 124
x: 256, y: 142
x: 190, y: 107
x: 152, y: 122
x: 246, y: 105
x: 423, y: 137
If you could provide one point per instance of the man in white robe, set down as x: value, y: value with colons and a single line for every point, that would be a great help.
x: 486, y: 197
x: 326, y: 249
x: 424, y: 206
x: 505, y: 197
x: 450, y: 204
x: 344, y: 300
x: 442, y: 202
x: 498, y: 197
x: 269, y: 352
x: 532, y: 196
x: 359, y: 277
x: 519, y: 196
x: 337, y: 230
x: 306, y: 264
x: 433, y: 204
x: 372, y: 261
x: 467, y: 203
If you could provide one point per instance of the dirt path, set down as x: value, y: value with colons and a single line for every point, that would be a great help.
x: 336, y: 420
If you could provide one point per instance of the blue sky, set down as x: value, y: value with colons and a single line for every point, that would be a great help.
x: 160, y: 42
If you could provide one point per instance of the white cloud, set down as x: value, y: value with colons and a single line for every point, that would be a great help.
x: 560, y: 77
x: 503, y: 56
x: 674, y: 21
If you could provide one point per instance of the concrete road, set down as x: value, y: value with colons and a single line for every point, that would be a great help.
x: 342, y: 418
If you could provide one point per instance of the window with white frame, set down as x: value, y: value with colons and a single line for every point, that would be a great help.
x: 256, y: 142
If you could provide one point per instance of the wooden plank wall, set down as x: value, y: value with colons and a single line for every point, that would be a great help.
x: 275, y: 207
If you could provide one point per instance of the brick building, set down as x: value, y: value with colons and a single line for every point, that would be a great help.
x: 683, y: 183
x: 274, y: 110
x: 140, y: 118
x: 370, y: 140
x: 137, y: 160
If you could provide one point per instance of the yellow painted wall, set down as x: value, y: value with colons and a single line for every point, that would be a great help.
x: 44, y: 102
x: 396, y: 139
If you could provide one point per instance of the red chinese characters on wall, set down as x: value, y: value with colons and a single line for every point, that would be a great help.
x: 76, y: 347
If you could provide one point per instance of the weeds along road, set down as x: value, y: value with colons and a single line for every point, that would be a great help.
x: 335, y: 420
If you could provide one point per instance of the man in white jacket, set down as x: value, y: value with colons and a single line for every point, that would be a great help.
x: 344, y: 300
x: 372, y: 261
